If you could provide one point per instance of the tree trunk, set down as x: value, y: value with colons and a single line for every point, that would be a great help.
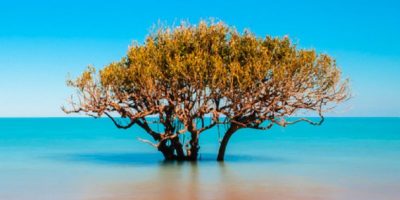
x: 194, y: 150
x: 180, y: 154
x: 167, y: 151
x: 194, y: 146
x: 224, y: 142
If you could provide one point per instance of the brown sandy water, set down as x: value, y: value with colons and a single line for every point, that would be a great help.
x: 189, y: 182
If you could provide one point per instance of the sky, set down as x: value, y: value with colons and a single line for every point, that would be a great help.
x: 42, y: 42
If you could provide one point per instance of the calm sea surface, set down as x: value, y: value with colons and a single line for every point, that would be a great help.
x: 84, y: 158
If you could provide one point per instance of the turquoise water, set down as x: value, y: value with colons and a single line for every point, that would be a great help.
x: 84, y: 158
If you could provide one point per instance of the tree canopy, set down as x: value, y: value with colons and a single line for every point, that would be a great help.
x: 182, y: 76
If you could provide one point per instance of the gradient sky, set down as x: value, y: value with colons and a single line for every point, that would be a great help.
x: 42, y: 41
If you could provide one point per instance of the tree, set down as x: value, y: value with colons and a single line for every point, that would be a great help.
x: 271, y: 80
x: 180, y: 77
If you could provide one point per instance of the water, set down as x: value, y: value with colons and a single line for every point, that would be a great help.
x: 84, y: 158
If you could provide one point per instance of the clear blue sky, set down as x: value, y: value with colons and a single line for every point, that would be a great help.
x: 42, y: 41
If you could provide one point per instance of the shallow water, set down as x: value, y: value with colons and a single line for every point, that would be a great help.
x: 83, y: 158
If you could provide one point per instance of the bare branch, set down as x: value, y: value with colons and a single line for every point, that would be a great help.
x: 149, y: 142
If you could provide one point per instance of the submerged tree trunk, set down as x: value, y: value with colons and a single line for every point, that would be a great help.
x: 178, y: 147
x: 172, y: 149
x: 194, y: 149
x: 224, y: 142
x: 167, y: 151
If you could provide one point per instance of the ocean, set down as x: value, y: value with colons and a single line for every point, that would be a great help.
x: 85, y: 158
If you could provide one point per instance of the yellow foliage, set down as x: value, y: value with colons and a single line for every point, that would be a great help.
x: 215, y: 59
